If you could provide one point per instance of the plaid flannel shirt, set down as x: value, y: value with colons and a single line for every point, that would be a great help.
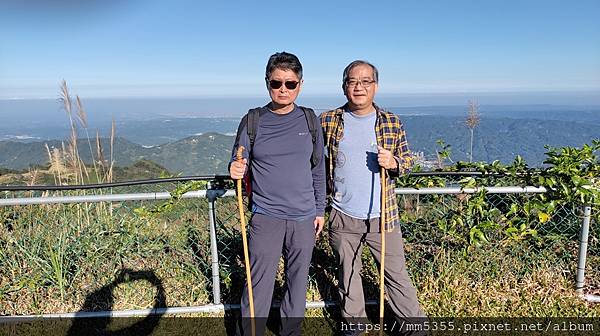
x: 390, y: 135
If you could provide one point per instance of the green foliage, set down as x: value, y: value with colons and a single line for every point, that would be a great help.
x: 176, y: 195
x: 573, y: 174
x: 443, y: 153
x: 571, y: 178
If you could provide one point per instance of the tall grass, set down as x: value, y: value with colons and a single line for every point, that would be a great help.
x: 66, y: 165
x: 50, y: 264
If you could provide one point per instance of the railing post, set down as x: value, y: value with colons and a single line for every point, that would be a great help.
x: 583, y: 245
x: 214, y: 189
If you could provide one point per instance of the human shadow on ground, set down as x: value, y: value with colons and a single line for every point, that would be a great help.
x: 103, y: 298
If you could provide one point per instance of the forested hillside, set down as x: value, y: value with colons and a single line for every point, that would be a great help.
x: 494, y: 139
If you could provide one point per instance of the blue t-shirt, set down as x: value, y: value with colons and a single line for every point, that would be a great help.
x: 284, y: 185
x: 357, y: 190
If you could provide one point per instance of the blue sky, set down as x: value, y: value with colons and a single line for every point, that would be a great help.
x: 219, y: 48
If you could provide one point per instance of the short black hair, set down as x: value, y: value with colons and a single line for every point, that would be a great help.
x: 285, y: 61
x: 355, y: 64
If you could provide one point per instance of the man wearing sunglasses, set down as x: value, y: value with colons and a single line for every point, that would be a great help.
x: 361, y: 138
x: 288, y: 194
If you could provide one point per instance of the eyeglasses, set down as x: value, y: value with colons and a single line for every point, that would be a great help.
x: 275, y: 84
x: 364, y: 82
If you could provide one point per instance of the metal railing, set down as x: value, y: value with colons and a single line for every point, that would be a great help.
x: 222, y: 243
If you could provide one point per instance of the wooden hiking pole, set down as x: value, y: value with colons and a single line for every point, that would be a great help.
x: 382, y: 267
x: 245, y: 244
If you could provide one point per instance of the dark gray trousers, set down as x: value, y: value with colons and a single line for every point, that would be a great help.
x: 347, y: 236
x: 268, y: 237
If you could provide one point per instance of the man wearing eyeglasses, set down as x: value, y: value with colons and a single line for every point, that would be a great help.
x: 288, y: 194
x: 361, y: 138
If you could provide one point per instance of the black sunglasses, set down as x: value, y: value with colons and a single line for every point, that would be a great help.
x: 275, y: 84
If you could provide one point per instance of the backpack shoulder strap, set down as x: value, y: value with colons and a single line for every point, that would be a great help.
x: 252, y: 126
x: 251, y: 121
x: 311, y: 120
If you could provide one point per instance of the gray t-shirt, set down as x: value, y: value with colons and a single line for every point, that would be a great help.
x: 357, y: 190
x: 284, y: 185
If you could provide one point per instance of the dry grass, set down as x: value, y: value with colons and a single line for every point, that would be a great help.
x: 66, y: 163
x: 494, y: 281
x: 90, y: 256
x: 497, y: 284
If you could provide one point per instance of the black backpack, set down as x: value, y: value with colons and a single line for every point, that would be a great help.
x: 252, y: 127
x: 251, y: 122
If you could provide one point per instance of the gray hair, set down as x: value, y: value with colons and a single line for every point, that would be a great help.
x: 355, y: 64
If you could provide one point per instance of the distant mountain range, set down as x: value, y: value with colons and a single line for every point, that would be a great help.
x: 497, y: 138
x: 196, y: 155
x: 152, y: 129
x: 208, y: 153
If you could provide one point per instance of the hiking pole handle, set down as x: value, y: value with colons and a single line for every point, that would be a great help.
x: 239, y: 152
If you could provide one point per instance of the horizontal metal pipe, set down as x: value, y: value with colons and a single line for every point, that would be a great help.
x: 121, y: 313
x: 210, y: 308
x: 591, y: 298
x: 202, y: 193
x: 102, y: 198
x: 458, y: 190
